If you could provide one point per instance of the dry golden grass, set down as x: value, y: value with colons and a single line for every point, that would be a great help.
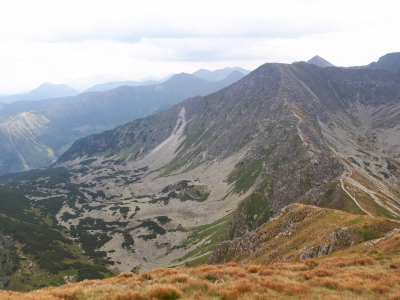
x: 354, y: 273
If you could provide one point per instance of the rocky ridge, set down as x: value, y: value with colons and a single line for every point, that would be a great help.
x: 302, y: 232
x: 390, y: 61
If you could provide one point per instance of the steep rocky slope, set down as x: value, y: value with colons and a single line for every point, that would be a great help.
x: 34, y: 135
x: 390, y: 61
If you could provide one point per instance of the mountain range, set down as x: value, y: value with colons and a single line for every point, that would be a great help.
x: 227, y: 167
x: 102, y: 87
x: 33, y: 134
x: 207, y: 75
x: 82, y: 84
x: 44, y: 91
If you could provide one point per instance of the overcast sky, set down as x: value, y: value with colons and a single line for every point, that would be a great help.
x: 51, y: 41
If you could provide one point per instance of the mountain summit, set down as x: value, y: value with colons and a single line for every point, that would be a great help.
x: 320, y: 62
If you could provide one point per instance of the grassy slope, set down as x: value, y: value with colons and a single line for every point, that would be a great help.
x: 300, y: 228
x: 354, y: 273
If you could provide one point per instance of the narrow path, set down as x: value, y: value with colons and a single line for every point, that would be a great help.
x: 299, y: 131
x: 352, y: 197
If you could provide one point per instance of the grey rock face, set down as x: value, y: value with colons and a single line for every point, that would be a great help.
x: 390, y: 61
x: 318, y: 251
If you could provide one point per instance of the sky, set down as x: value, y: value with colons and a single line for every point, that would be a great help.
x: 53, y: 41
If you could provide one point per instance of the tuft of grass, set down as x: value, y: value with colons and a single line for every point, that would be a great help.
x: 163, y: 292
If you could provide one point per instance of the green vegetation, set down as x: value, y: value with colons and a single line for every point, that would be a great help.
x: 87, y: 162
x: 198, y: 193
x: 342, y: 200
x: 184, y: 191
x: 122, y: 209
x: 256, y: 207
x: 245, y: 175
x: 128, y: 240
x: 37, y: 236
x: 163, y: 219
x: 213, y: 233
x: 370, y: 233
x: 33, y: 228
x: 391, y: 166
x: 194, y: 139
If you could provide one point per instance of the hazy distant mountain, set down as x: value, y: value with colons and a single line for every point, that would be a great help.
x: 154, y: 78
x: 85, y: 83
x: 34, y: 134
x: 102, y: 87
x: 217, y: 75
x: 319, y: 61
x: 44, y: 91
x: 390, y: 61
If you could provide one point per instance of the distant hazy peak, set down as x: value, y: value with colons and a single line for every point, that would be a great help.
x: 85, y: 83
x: 319, y: 61
x: 44, y: 91
x: 390, y: 61
x: 181, y: 76
x: 218, y: 75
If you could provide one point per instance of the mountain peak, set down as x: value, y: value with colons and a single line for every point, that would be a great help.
x: 46, y: 90
x: 320, y: 62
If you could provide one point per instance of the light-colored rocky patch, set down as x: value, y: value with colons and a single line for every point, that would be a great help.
x: 147, y: 254
x: 146, y: 201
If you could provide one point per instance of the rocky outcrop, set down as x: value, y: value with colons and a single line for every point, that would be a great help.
x: 317, y: 251
x: 301, y: 232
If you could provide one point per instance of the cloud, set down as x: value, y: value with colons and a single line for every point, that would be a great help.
x: 130, y: 21
x: 54, y: 40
